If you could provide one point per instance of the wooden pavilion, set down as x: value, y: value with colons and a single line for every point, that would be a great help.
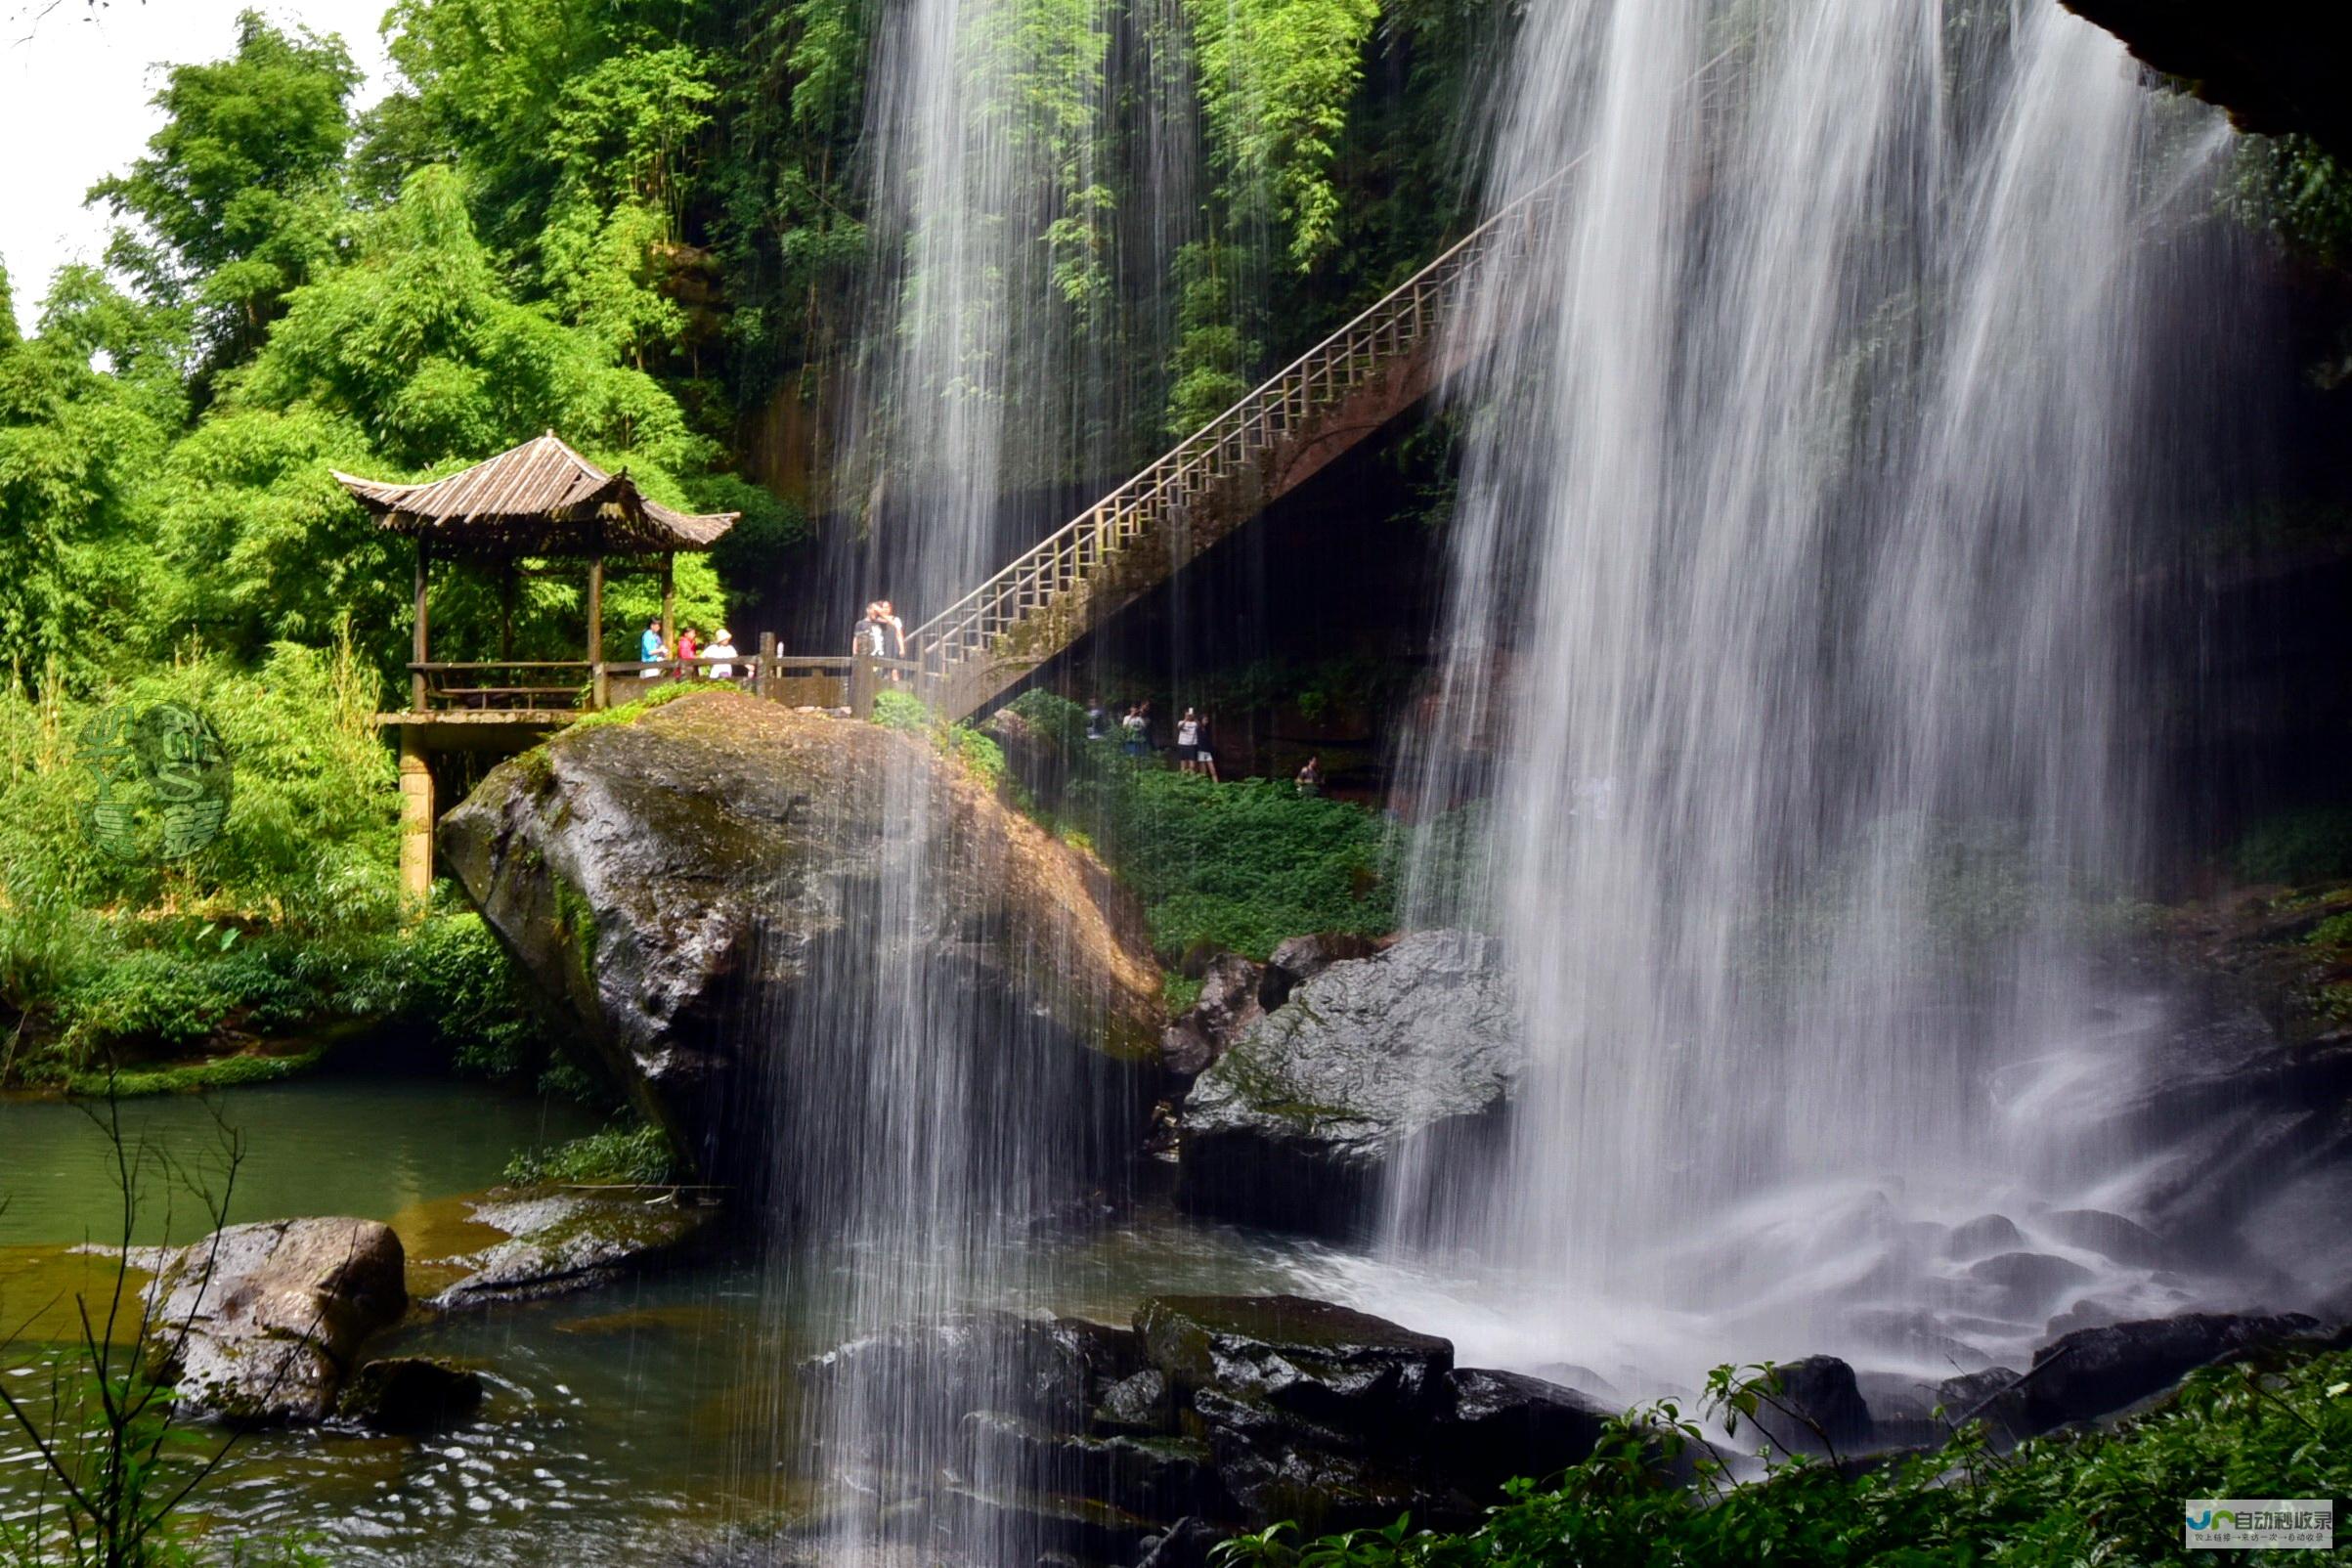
x: 520, y: 513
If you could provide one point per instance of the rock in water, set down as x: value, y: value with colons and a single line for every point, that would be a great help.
x: 1298, y: 1123
x: 1817, y: 1406
x: 559, y: 1243
x: 2093, y: 1372
x: 259, y: 1323
x: 411, y: 1394
x: 1228, y: 1004
x: 672, y: 877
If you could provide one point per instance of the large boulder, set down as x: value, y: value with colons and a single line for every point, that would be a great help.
x: 259, y: 1323
x: 723, y: 892
x: 1299, y: 1121
x: 2094, y: 1372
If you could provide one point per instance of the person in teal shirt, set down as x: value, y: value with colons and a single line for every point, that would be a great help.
x: 650, y: 649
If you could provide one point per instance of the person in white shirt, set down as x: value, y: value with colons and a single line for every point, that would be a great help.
x: 721, y: 646
x: 1188, y: 742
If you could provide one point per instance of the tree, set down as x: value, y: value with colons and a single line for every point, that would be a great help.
x: 236, y: 201
x: 77, y: 445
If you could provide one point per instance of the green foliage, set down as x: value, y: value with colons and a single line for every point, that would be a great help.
x: 237, y: 198
x: 75, y: 446
x: 1214, y: 355
x: 625, y: 1153
x: 902, y: 710
x: 2300, y: 193
x: 1276, y: 78
x: 2282, y: 1428
x: 456, y: 978
x: 1239, y: 865
x: 2312, y: 844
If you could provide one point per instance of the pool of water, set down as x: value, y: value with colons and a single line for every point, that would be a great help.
x: 339, y: 1144
x: 623, y: 1424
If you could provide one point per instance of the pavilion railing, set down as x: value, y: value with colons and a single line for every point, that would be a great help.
x: 533, y: 684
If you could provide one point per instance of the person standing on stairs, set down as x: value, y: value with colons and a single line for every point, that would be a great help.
x: 1188, y: 741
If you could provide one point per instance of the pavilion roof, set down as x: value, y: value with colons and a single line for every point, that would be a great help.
x: 538, y: 498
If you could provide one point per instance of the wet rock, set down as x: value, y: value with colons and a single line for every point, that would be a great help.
x: 559, y: 1243
x: 1310, y: 1410
x: 2030, y: 1283
x: 1916, y: 1334
x: 1228, y: 1004
x: 713, y: 859
x: 1582, y: 1379
x: 1821, y: 1408
x: 1307, y: 1358
x: 1137, y: 1404
x: 1185, y: 1544
x: 2088, y: 1313
x: 1047, y: 1523
x: 1298, y: 1121
x: 2111, y: 1236
x: 1991, y: 1395
x: 260, y: 1323
x: 2094, y: 1372
x: 1982, y: 1237
x: 410, y: 1394
x: 1034, y: 1369
x: 1155, y: 1477
x: 1500, y: 1424
x: 1302, y: 958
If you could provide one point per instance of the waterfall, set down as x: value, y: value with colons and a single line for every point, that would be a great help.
x: 1795, y: 645
x: 1022, y: 202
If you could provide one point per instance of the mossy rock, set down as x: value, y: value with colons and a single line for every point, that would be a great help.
x: 697, y: 884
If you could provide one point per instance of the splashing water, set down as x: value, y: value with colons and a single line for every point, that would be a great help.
x: 1793, y: 644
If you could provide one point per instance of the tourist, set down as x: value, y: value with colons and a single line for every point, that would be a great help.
x: 866, y: 642
x: 1310, y: 777
x: 651, y: 650
x: 1187, y: 740
x: 1098, y: 720
x: 1137, y: 726
x: 722, y: 646
x: 689, y: 648
x: 1204, y: 756
x: 897, y: 627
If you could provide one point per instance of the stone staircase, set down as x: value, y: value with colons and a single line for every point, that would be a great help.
x: 1336, y: 394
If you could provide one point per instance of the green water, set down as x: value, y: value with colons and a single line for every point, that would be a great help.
x: 343, y: 1145
x: 635, y: 1423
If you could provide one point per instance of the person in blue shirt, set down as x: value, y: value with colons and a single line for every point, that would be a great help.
x: 650, y: 649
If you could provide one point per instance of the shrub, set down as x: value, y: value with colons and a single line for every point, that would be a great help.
x: 621, y: 1154
x: 2312, y: 845
x: 902, y: 710
x: 1239, y: 865
x: 2086, y: 1496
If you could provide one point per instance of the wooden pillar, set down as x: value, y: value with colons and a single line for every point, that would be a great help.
x: 419, y: 639
x: 506, y: 608
x: 765, y: 684
x: 865, y: 679
x: 669, y: 605
x: 596, y: 631
x: 415, y: 818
